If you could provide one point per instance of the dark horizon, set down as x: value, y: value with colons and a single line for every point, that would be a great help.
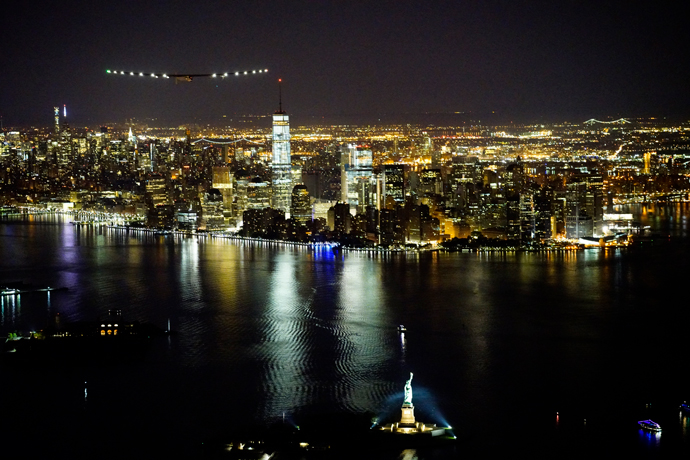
x: 522, y: 62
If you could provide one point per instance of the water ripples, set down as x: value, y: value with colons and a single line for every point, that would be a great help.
x: 319, y: 351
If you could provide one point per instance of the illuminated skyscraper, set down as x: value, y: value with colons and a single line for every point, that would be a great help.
x: 157, y: 190
x: 281, y: 165
x: 431, y: 182
x: 395, y: 182
x: 358, y: 187
x: 62, y: 143
x: 300, y: 209
x: 57, y: 121
x: 222, y: 181
x: 258, y: 194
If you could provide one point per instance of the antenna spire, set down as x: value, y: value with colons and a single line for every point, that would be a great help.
x: 280, y: 96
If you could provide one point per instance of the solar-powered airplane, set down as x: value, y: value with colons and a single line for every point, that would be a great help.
x: 185, y: 77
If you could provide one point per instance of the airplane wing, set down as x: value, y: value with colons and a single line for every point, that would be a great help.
x: 186, y: 76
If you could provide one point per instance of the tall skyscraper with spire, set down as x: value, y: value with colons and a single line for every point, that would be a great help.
x: 281, y: 165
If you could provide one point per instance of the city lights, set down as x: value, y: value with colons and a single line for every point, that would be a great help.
x: 387, y: 187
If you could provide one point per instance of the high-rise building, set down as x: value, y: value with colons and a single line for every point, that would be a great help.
x: 241, y: 181
x: 212, y: 210
x: 57, y: 120
x: 157, y: 190
x: 358, y: 188
x: 296, y: 175
x: 300, y: 208
x: 222, y: 180
x: 390, y: 227
x: 527, y: 218
x: 395, y: 182
x: 543, y: 215
x: 281, y: 139
x: 431, y: 182
x: 258, y: 222
x: 513, y: 217
x: 258, y: 194
x: 340, y: 219
x: 281, y: 165
x: 464, y: 173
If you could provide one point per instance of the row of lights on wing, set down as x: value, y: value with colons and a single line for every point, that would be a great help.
x: 226, y: 74
x: 246, y: 72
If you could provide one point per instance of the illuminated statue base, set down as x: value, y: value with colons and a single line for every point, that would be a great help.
x: 409, y: 426
x: 407, y: 414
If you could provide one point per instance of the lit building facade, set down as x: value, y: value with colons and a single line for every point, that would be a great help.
x: 357, y: 185
x: 222, y: 180
x: 281, y: 165
x: 56, y: 111
x: 157, y: 190
x: 300, y: 208
x: 395, y: 182
x: 258, y: 194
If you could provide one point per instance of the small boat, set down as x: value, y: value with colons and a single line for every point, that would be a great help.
x: 685, y: 408
x: 649, y: 425
x: 402, y: 329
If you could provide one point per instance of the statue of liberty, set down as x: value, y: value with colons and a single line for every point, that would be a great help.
x: 408, y: 391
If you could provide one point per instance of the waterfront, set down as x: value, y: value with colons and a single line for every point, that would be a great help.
x: 499, y: 343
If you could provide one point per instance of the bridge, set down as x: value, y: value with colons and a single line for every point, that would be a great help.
x: 620, y: 121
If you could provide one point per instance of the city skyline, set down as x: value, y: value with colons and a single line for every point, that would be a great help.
x: 546, y: 186
x: 491, y: 196
x: 511, y: 62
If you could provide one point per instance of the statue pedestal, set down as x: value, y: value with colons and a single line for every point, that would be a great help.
x: 407, y: 414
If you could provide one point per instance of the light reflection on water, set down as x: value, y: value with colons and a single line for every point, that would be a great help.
x: 661, y: 219
x: 266, y: 330
x: 685, y: 426
x: 285, y: 347
x: 649, y: 439
x: 323, y: 337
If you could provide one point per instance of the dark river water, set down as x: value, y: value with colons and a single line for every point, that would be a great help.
x: 550, y: 354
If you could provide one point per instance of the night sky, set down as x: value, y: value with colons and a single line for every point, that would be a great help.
x: 525, y: 61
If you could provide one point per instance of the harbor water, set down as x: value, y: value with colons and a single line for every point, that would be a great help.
x: 551, y: 353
